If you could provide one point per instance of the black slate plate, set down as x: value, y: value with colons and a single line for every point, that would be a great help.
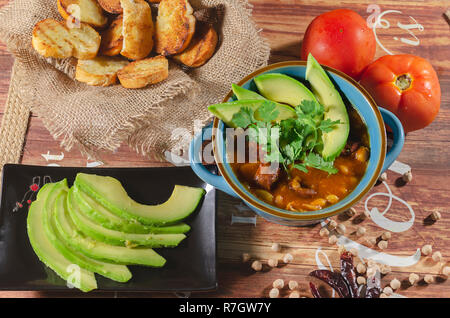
x: 190, y: 267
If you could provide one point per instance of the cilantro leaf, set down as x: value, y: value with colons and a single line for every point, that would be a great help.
x: 268, y: 111
x: 243, y: 118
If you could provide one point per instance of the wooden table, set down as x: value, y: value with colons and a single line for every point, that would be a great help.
x: 283, y: 23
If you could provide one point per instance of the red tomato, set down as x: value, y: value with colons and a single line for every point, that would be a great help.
x: 407, y: 85
x: 340, y: 39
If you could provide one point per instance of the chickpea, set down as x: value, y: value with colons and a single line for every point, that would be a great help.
x: 360, y: 231
x: 332, y: 198
x: 388, y: 290
x: 361, y: 280
x: 332, y: 224
x: 341, y: 249
x: 429, y: 279
x: 437, y: 256
x: 361, y: 268
x: 385, y: 269
x: 435, y: 216
x: 324, y: 232
x: 350, y: 212
x: 272, y: 262
x: 279, y: 200
x: 446, y: 271
x: 427, y: 249
x: 257, y: 266
x: 371, y: 240
x: 274, y: 293
x: 383, y: 295
x: 344, y: 169
x: 319, y: 202
x: 383, y: 177
x: 288, y: 258
x: 413, y: 278
x: 407, y: 177
x: 276, y: 247
x: 362, y: 154
x: 386, y: 236
x: 332, y: 239
x: 293, y: 285
x: 395, y: 284
x: 278, y: 283
x: 354, y: 251
x: 294, y: 294
x: 382, y: 245
x: 341, y: 229
x: 245, y: 257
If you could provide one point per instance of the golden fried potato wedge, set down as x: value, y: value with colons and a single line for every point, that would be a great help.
x: 100, y: 71
x: 85, y: 41
x: 175, y: 26
x: 86, y: 11
x: 141, y: 73
x: 52, y: 38
x: 137, y: 29
x: 112, y: 38
x: 202, y: 46
x: 49, y: 39
x: 111, y: 6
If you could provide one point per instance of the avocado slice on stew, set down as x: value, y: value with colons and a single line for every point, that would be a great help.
x: 335, y: 140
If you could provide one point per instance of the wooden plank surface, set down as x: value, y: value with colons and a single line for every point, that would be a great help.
x: 283, y: 23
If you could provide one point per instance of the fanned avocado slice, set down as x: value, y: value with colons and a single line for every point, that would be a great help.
x: 108, y: 236
x: 335, y: 140
x: 119, y: 273
x: 47, y: 252
x: 225, y: 111
x: 283, y: 89
x: 245, y: 94
x: 98, y: 250
x: 101, y: 215
x: 110, y: 193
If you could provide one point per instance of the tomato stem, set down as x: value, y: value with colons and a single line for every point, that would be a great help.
x: 403, y: 81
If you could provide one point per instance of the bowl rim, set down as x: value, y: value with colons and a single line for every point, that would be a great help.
x: 300, y: 215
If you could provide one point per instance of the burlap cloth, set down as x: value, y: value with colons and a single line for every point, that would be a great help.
x: 98, y: 119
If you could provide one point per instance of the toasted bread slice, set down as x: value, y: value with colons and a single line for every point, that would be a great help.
x: 141, y: 73
x: 175, y: 26
x: 85, y: 41
x: 49, y: 39
x: 111, y: 6
x: 202, y: 46
x: 100, y: 71
x: 88, y: 11
x: 53, y: 38
x: 137, y: 29
x: 112, y: 38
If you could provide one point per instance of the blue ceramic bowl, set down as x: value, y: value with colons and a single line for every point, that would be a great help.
x: 373, y: 117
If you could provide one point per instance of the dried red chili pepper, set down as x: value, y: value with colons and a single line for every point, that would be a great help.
x: 349, y: 274
x: 335, y: 280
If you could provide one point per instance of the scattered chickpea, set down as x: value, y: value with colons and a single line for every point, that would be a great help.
x: 276, y: 247
x: 272, y: 262
x: 245, y: 257
x: 435, y: 216
x: 293, y: 284
x: 437, y: 256
x: 382, y: 244
x: 361, y: 280
x: 274, y: 293
x: 278, y: 283
x: 324, y: 232
x: 371, y: 263
x: 385, y: 269
x: 383, y: 295
x: 350, y: 212
x: 427, y: 249
x: 354, y: 251
x: 429, y: 279
x: 288, y: 258
x: 386, y: 236
x: 341, y: 249
x: 446, y: 271
x: 383, y: 177
x: 341, y: 229
x: 413, y: 278
x: 361, y: 268
x: 332, y: 239
x: 257, y: 266
x: 360, y: 231
x: 371, y: 271
x: 371, y: 240
x: 332, y: 224
x: 388, y: 290
x: 294, y: 294
x: 407, y: 176
x: 395, y: 284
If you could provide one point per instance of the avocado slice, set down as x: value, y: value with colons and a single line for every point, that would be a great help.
x: 119, y: 273
x: 335, y: 140
x: 110, y: 193
x: 46, y: 251
x: 225, y: 111
x: 283, y: 89
x: 113, y: 237
x: 97, y: 213
x: 98, y: 250
x: 243, y: 93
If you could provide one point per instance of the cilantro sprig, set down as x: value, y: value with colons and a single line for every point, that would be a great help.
x: 293, y: 142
